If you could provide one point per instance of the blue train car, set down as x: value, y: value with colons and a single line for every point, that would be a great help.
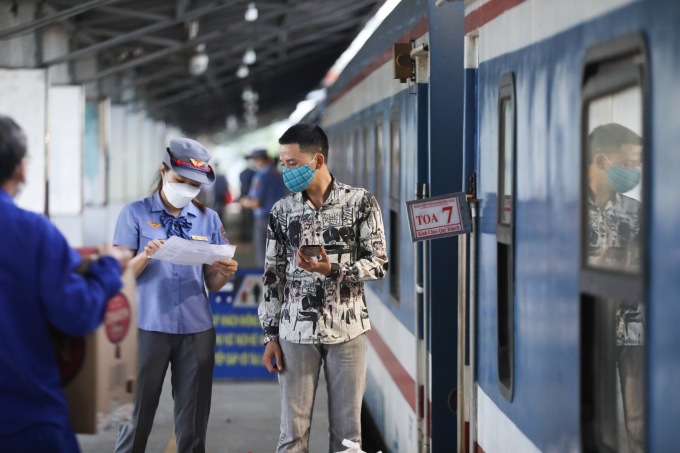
x: 551, y: 326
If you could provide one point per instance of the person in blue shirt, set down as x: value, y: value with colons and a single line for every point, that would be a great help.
x: 267, y: 188
x: 246, y: 221
x: 175, y: 321
x: 44, y: 285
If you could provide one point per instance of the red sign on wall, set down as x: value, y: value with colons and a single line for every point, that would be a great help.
x: 432, y: 218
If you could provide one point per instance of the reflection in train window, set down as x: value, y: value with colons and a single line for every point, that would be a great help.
x: 507, y: 162
x: 614, y: 158
x: 612, y: 247
x: 504, y: 235
x: 612, y: 351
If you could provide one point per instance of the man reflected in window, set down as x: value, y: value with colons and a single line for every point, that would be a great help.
x: 613, y: 236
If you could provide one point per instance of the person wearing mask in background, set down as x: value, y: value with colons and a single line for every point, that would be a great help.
x: 267, y: 188
x: 44, y: 285
x: 175, y: 321
x: 313, y: 311
x: 246, y: 225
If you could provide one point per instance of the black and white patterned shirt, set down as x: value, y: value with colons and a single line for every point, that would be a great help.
x: 613, y: 243
x: 304, y: 307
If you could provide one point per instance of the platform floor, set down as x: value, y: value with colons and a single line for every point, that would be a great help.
x: 244, y: 418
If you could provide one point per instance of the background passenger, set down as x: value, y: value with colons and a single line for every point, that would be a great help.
x: 266, y: 189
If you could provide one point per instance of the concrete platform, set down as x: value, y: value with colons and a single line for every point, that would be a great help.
x: 244, y: 418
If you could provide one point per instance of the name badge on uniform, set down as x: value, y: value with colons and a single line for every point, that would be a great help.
x: 200, y: 238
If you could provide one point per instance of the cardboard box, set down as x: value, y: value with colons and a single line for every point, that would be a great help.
x: 99, y: 372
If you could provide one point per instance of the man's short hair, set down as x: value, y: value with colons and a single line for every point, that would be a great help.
x: 12, y: 147
x: 609, y: 138
x: 309, y: 137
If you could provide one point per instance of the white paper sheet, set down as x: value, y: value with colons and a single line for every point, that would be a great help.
x: 182, y: 251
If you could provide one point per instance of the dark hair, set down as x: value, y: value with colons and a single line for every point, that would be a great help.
x: 609, y: 138
x: 310, y: 137
x: 157, y: 186
x: 12, y: 147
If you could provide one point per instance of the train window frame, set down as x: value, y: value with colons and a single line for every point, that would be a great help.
x: 609, y: 68
x: 505, y: 247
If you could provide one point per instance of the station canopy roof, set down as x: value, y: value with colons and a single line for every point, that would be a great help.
x: 153, y: 53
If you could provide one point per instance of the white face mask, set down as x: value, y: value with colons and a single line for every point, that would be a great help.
x: 180, y: 194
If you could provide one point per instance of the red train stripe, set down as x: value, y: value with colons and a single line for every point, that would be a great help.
x: 416, y: 32
x: 403, y: 380
x: 488, y: 12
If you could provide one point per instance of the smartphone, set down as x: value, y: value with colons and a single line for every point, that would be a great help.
x: 312, y: 250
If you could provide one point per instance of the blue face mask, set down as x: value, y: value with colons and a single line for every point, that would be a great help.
x: 623, y: 179
x: 299, y: 178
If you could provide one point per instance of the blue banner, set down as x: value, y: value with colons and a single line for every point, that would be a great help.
x: 239, y: 342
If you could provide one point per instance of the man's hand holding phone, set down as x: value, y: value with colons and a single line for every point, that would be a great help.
x: 313, y: 258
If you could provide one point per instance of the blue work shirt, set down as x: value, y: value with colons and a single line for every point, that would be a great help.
x: 171, y: 297
x: 268, y: 188
x: 38, y: 289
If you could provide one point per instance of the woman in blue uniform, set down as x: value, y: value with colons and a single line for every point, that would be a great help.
x: 175, y: 322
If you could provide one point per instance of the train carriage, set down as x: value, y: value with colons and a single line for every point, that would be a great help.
x: 510, y: 339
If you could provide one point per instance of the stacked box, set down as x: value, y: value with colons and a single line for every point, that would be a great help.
x: 99, y: 371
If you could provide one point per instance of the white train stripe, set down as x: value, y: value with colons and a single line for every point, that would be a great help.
x: 496, y: 433
x: 516, y: 28
x: 402, y: 343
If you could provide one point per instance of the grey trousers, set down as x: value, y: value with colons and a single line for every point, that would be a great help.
x: 345, y: 366
x: 192, y: 359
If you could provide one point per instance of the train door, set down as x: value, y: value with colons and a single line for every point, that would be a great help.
x: 614, y: 213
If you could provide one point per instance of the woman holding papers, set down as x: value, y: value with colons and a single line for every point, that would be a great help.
x: 175, y: 322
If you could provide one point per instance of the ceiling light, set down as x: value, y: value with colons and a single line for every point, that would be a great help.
x: 198, y: 62
x: 251, y: 12
x: 250, y: 57
x: 242, y: 72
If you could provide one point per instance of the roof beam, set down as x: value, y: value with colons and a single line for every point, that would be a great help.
x: 198, y: 90
x: 129, y: 36
x: 51, y: 18
x: 130, y: 12
x: 164, y: 42
x: 233, y: 64
x: 162, y: 53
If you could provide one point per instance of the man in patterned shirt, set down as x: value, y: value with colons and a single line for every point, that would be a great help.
x: 314, y: 311
x: 614, y: 243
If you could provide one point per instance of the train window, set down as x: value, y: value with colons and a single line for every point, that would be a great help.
x: 504, y: 234
x: 395, y: 197
x: 613, y: 248
x: 394, y: 255
x: 356, y: 161
x: 378, y: 157
x: 395, y: 159
x: 369, y: 168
